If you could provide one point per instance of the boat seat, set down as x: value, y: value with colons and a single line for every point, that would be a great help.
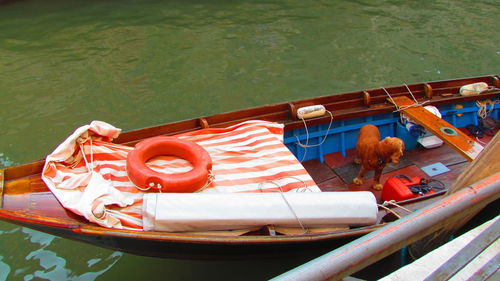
x: 452, y: 136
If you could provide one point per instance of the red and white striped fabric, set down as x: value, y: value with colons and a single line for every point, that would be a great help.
x: 247, y: 157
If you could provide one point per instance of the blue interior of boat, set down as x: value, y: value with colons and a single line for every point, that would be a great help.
x: 343, y: 134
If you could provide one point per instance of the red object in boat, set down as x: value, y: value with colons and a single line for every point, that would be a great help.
x: 191, y: 181
x: 400, y: 188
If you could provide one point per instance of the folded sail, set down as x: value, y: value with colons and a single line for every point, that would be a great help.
x: 226, y: 211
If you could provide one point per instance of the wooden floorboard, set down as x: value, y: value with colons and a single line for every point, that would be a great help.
x: 444, y: 154
x: 327, y: 180
x: 319, y: 171
x: 337, y: 160
x: 335, y: 184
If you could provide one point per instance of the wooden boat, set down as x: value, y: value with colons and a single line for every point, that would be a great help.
x: 27, y: 201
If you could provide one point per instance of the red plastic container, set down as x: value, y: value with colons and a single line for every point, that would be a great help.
x: 398, y: 188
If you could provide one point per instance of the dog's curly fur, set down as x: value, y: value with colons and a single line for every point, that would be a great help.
x: 374, y: 154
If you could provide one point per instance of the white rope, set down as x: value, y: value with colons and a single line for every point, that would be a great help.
x: 393, y: 202
x: 483, y: 111
x: 398, y: 109
x: 481, y: 142
x: 305, y: 230
x: 306, y: 145
x: 411, y: 93
x: 144, y: 189
x: 89, y: 166
x: 302, y: 189
x: 389, y: 210
x: 210, y: 179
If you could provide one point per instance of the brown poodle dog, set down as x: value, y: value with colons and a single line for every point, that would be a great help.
x: 374, y: 154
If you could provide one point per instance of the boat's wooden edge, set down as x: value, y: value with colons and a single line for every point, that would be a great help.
x: 215, y: 239
x: 23, y: 170
x: 30, y: 219
x: 282, y: 112
x: 88, y: 229
x: 343, y: 106
x: 45, y: 223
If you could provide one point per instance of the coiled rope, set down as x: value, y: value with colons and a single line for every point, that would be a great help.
x: 483, y: 111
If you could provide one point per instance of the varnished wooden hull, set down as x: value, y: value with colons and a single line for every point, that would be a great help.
x: 205, y: 248
x: 28, y: 202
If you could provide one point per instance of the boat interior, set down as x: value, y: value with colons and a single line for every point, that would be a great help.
x: 331, y: 164
x: 333, y: 168
x: 413, y: 161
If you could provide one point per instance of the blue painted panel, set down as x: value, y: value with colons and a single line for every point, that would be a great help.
x: 402, y: 133
x: 343, y: 134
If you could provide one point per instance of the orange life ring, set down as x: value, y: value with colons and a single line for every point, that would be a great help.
x: 145, y: 178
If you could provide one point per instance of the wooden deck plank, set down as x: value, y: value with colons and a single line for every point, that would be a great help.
x: 336, y: 160
x: 455, y: 138
x: 319, y: 172
x: 450, y: 177
x: 422, y: 156
x: 335, y: 184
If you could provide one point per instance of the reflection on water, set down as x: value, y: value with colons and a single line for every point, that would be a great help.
x: 5, y: 161
x: 140, y: 63
x: 40, y: 258
x: 31, y: 255
x: 4, y: 269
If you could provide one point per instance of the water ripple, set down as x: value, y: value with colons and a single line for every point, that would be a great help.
x: 47, y: 261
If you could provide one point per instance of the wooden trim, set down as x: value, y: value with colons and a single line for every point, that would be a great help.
x: 203, y: 123
x: 428, y: 91
x: 293, y: 111
x: 367, y: 99
x: 495, y: 81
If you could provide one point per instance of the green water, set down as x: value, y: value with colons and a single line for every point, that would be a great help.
x: 141, y: 63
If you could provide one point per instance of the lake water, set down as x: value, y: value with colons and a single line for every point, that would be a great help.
x: 141, y: 63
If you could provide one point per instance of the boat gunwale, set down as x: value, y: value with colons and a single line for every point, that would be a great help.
x: 132, y: 137
x: 80, y: 226
x: 90, y: 230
